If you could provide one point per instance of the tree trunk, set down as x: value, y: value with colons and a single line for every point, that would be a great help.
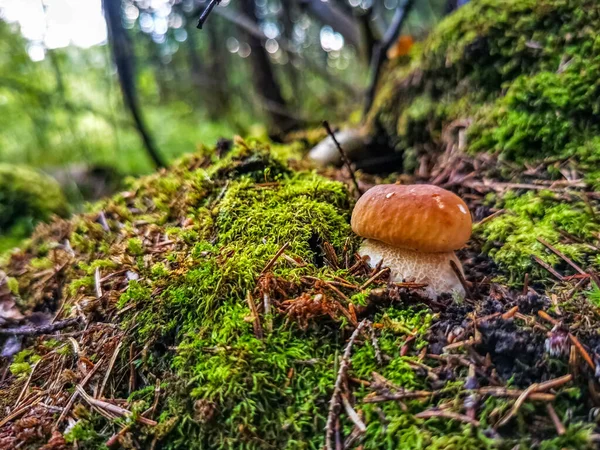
x: 264, y: 79
x: 124, y: 56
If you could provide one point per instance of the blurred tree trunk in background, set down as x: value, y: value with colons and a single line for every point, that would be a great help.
x: 210, y: 82
x: 124, y: 56
x: 264, y: 79
x: 217, y: 70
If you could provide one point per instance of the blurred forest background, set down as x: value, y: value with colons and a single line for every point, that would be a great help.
x: 93, y: 90
x: 257, y: 65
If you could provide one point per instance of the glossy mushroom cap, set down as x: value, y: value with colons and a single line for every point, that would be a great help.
x: 422, y: 217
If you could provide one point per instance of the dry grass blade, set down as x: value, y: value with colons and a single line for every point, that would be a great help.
x: 112, y: 408
x: 273, y: 260
x: 111, y: 364
x: 447, y: 415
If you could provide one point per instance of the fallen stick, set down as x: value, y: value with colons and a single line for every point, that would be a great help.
x: 38, y: 330
x: 334, y: 403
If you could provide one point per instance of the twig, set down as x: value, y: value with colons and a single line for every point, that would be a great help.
x: 582, y: 351
x: 548, y: 267
x: 447, y: 415
x: 26, y: 383
x: 373, y: 278
x: 491, y: 217
x: 461, y: 277
x: 274, y: 259
x: 562, y: 256
x: 111, y: 363
x: 397, y: 396
x: 345, y: 159
x: 258, y: 332
x: 97, y: 283
x: 544, y: 315
x: 37, y: 330
x: 75, y: 394
x: 334, y: 403
x: 112, y: 408
x: 510, y: 313
x: 131, y: 368
x: 206, y: 13
x: 353, y: 415
x: 20, y: 411
x: 536, y: 387
x: 560, y: 428
x: 497, y: 391
x: 375, y: 344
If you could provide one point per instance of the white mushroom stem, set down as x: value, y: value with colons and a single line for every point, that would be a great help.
x: 433, y: 269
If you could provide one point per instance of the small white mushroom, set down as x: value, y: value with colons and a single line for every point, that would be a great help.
x: 415, y: 231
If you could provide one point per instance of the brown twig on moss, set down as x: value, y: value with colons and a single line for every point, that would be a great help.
x: 534, y: 388
x: 562, y: 256
x: 274, y: 259
x: 334, y: 403
x: 345, y: 159
x: 353, y: 415
x: 75, y: 394
x: 367, y: 283
x: 582, y: 351
x: 112, y: 408
x: 258, y: 332
x: 560, y: 428
x: 548, y: 267
x: 430, y: 413
x: 111, y: 364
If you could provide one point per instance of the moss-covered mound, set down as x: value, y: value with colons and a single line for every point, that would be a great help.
x: 220, y: 303
x: 26, y: 197
x: 522, y: 76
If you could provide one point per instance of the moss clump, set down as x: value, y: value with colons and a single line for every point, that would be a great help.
x: 26, y: 194
x: 513, y: 238
x: 524, y: 73
x: 26, y: 197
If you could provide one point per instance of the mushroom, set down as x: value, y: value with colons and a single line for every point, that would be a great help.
x: 414, y: 230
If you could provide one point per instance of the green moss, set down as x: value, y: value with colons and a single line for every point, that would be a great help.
x: 178, y: 272
x: 514, y: 237
x: 28, y: 196
x: 523, y: 73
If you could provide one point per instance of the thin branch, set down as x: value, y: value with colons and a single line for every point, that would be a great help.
x: 380, y: 51
x: 344, y: 157
x: 43, y: 329
x: 334, y: 403
x: 447, y: 415
x: 206, y: 13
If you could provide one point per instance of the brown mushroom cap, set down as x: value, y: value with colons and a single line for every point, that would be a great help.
x: 419, y: 217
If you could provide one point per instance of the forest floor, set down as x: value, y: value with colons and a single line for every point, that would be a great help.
x: 115, y: 342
